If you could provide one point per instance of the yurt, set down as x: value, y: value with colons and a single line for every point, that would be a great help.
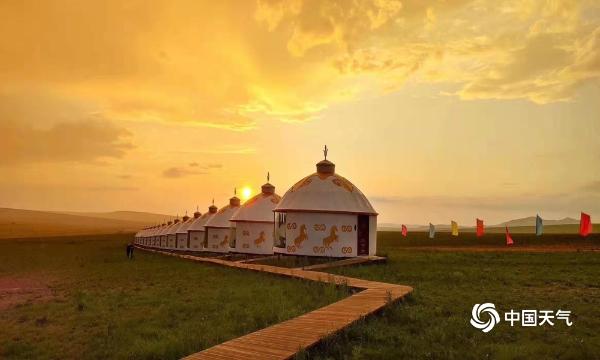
x: 197, y: 232
x: 156, y: 235
x: 171, y: 237
x: 324, y: 214
x: 163, y: 235
x: 181, y: 234
x: 254, y: 222
x: 144, y: 236
x: 138, y: 236
x: 220, y: 232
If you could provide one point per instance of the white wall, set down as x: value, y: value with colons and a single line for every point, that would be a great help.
x: 254, y: 238
x: 372, y: 235
x: 218, y: 239
x: 182, y: 241
x: 321, y: 234
x: 196, y: 240
x: 171, y: 241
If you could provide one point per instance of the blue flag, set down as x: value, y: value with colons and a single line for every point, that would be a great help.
x: 431, y: 231
x: 539, y: 226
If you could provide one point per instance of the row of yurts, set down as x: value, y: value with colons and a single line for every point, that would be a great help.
x: 321, y: 215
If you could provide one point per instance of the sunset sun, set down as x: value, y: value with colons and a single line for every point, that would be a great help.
x: 246, y: 193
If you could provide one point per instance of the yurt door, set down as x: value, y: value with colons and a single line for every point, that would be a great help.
x: 363, y: 235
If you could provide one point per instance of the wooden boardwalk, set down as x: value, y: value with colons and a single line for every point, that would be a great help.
x: 284, y: 340
x: 346, y: 262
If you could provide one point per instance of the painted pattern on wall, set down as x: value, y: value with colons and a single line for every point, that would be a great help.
x: 320, y: 234
x: 254, y: 238
x: 218, y: 239
x: 196, y: 240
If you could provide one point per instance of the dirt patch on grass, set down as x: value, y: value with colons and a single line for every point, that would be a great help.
x: 18, y: 290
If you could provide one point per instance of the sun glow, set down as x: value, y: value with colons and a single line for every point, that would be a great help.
x: 246, y: 193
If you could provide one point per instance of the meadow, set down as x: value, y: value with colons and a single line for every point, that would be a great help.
x: 97, y: 304
x: 433, y: 322
x: 84, y: 299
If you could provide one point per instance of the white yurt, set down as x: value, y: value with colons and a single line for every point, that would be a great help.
x: 254, y: 222
x: 196, y: 231
x: 220, y: 232
x: 156, y: 235
x: 163, y: 235
x: 325, y: 215
x: 144, y: 236
x: 171, y: 237
x: 181, y: 234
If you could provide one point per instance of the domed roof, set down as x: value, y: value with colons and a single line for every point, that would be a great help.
x: 199, y: 221
x: 186, y: 221
x: 165, y: 229
x: 221, y: 218
x: 173, y: 228
x: 325, y: 191
x: 260, y: 207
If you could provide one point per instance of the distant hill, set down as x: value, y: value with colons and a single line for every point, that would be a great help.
x: 18, y: 223
x: 530, y: 221
x: 135, y: 216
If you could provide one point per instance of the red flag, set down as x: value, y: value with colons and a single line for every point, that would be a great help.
x: 404, y: 230
x: 509, y: 240
x: 479, y: 227
x: 585, y: 225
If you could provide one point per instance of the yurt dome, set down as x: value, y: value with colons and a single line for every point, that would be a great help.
x: 221, y: 218
x: 254, y: 222
x: 259, y: 208
x: 181, y: 233
x: 325, y: 191
x: 171, y: 243
x: 196, y: 229
x: 218, y: 227
x: 324, y: 214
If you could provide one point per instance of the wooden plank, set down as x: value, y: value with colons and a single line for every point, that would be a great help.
x: 284, y: 340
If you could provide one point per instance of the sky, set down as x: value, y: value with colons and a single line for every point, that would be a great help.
x: 436, y: 110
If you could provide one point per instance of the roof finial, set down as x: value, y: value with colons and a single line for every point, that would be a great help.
x: 213, y: 201
x: 234, y: 191
x: 197, y: 208
x: 268, y: 176
x: 325, y: 152
x: 186, y: 213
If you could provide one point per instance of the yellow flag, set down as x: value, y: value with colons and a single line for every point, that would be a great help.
x: 454, y: 228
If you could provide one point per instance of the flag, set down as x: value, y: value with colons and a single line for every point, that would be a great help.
x: 479, y: 227
x: 539, y: 225
x: 454, y: 225
x: 431, y: 231
x: 585, y: 225
x: 509, y: 240
x: 404, y: 230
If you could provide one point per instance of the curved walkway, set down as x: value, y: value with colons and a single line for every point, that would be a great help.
x: 284, y: 340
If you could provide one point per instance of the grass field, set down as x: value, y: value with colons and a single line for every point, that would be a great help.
x: 84, y: 299
x: 433, y: 323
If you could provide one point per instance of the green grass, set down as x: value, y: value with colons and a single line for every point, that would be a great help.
x: 433, y: 323
x: 154, y: 307
x: 290, y: 261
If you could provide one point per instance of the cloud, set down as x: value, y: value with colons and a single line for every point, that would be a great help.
x: 208, y: 64
x: 179, y: 172
x: 90, y: 140
x: 112, y: 188
x: 206, y: 166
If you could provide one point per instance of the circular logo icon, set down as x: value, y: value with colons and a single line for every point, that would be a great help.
x: 480, y: 310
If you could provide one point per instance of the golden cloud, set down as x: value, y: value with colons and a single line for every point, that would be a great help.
x: 208, y: 63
